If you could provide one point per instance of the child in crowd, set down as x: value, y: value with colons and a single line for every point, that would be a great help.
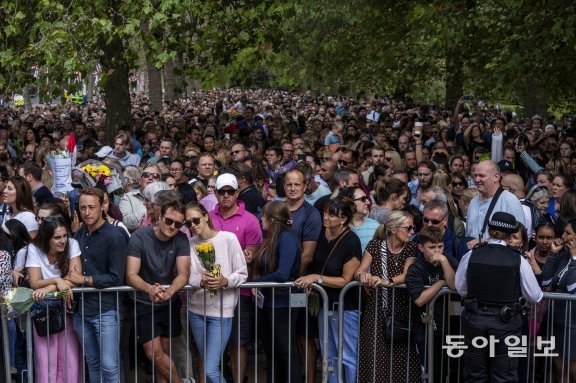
x: 432, y: 268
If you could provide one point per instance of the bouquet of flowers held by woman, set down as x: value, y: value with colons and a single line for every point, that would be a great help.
x: 207, y: 256
x: 92, y: 173
x: 19, y: 300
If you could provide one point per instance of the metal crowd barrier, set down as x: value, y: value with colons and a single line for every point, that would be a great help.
x: 299, y: 301
x: 536, y: 366
x: 534, y: 348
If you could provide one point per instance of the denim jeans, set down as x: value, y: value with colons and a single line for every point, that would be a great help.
x: 98, y: 336
x: 217, y: 334
x: 350, y: 347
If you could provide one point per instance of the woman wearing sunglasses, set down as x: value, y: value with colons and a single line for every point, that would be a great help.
x: 385, y: 263
x: 210, y: 316
x: 50, y: 257
x: 360, y: 224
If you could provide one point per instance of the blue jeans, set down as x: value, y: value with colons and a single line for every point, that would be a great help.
x: 217, y: 333
x: 350, y: 347
x: 98, y: 336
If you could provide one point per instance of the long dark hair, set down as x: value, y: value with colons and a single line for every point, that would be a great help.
x: 42, y: 241
x: 19, y: 235
x: 279, y: 220
x: 24, y: 201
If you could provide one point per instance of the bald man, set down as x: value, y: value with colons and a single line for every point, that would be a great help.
x: 487, y: 179
x: 515, y: 185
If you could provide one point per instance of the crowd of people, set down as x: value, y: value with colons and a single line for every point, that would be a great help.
x: 283, y: 187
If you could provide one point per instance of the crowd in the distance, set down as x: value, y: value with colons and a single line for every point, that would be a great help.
x: 285, y: 187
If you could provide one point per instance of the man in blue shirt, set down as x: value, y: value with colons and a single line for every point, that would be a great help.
x: 96, y: 318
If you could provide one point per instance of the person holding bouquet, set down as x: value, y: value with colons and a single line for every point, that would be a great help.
x: 218, y: 265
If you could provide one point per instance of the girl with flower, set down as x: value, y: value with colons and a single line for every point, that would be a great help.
x: 210, y: 314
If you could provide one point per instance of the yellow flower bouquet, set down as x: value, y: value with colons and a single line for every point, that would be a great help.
x: 207, y: 256
x: 94, y: 173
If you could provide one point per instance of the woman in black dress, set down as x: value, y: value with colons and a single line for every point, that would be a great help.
x: 387, y: 257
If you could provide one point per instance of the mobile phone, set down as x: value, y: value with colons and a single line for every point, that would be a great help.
x: 226, y: 136
x: 468, y: 98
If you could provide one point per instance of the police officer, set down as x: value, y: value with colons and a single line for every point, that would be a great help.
x: 493, y: 279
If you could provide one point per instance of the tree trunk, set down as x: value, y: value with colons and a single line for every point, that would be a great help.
x: 169, y: 81
x: 536, y: 101
x: 27, y: 98
x: 154, y: 87
x: 117, y: 94
x: 454, y: 79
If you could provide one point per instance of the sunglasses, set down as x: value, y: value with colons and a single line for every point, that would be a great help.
x: 457, y: 184
x: 153, y: 175
x: 49, y: 219
x: 408, y: 228
x: 195, y: 221
x: 363, y: 199
x: 388, y: 159
x: 222, y: 192
x: 236, y: 152
x: 170, y: 222
x: 433, y: 221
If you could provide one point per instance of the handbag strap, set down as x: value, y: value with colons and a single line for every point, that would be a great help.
x: 489, y: 212
x: 333, y: 248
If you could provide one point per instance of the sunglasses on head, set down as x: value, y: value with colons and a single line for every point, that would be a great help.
x: 49, y: 219
x: 221, y: 192
x: 363, y: 199
x: 153, y: 175
x: 433, y: 221
x: 195, y: 221
x: 170, y: 222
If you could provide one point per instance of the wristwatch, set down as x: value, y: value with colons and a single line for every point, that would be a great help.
x: 86, y: 281
x: 320, y: 280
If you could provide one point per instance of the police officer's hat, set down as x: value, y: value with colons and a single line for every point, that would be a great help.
x: 503, y: 222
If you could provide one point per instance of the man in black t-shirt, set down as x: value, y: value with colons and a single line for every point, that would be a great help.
x: 153, y: 254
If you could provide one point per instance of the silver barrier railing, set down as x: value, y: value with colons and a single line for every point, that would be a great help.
x: 119, y: 291
x: 378, y: 323
x: 6, y: 348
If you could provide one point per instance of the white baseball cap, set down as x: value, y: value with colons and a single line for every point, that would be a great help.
x: 226, y: 179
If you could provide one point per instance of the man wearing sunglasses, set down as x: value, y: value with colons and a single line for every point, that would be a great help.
x: 436, y: 214
x: 231, y: 215
x: 154, y: 252
x: 132, y: 204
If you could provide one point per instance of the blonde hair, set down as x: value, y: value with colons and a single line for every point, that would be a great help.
x: 469, y: 194
x: 396, y: 159
x: 396, y: 218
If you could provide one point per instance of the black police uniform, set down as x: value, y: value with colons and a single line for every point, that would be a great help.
x: 492, y: 310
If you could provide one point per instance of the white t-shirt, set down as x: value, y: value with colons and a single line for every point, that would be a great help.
x: 37, y: 258
x: 20, y: 260
x: 28, y: 219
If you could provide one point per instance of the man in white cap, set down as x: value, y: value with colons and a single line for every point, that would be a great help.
x: 230, y: 215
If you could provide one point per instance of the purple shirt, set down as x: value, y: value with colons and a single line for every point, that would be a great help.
x: 242, y: 223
